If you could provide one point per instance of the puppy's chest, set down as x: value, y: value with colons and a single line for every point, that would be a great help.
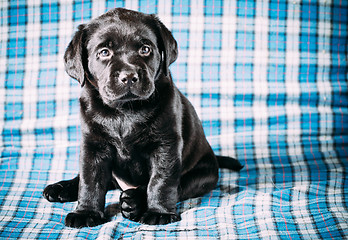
x: 122, y: 128
x: 124, y: 133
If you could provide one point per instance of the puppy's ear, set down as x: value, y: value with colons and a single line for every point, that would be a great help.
x: 167, y: 46
x: 73, y: 57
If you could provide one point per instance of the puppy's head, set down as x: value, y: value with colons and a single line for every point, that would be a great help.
x: 121, y: 53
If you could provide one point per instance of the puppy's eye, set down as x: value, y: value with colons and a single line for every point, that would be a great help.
x: 104, y: 53
x: 145, y: 50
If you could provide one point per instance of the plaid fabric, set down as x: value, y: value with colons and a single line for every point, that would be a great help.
x: 268, y: 79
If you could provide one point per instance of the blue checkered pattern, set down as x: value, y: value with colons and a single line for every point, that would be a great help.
x: 268, y: 80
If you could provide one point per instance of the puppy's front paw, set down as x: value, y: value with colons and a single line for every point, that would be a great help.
x: 80, y: 219
x: 133, y: 203
x: 155, y: 218
x: 63, y: 191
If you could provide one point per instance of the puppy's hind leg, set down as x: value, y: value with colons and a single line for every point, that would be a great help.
x: 63, y: 191
x: 199, y: 180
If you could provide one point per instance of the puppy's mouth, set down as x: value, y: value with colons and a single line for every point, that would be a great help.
x: 129, y: 96
x: 113, y: 99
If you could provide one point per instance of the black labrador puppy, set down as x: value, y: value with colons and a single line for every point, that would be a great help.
x: 139, y: 133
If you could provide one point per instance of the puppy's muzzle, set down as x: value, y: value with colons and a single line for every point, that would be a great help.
x: 128, y: 78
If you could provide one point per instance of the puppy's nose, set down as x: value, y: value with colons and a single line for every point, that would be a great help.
x: 128, y: 78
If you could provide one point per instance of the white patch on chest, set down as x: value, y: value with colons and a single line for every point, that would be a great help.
x: 124, y: 185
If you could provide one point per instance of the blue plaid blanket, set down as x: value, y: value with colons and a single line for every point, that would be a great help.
x: 268, y: 80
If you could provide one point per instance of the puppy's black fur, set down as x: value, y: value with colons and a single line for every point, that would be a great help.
x: 139, y: 133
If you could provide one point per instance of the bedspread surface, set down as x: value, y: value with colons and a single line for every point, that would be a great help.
x: 267, y: 78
